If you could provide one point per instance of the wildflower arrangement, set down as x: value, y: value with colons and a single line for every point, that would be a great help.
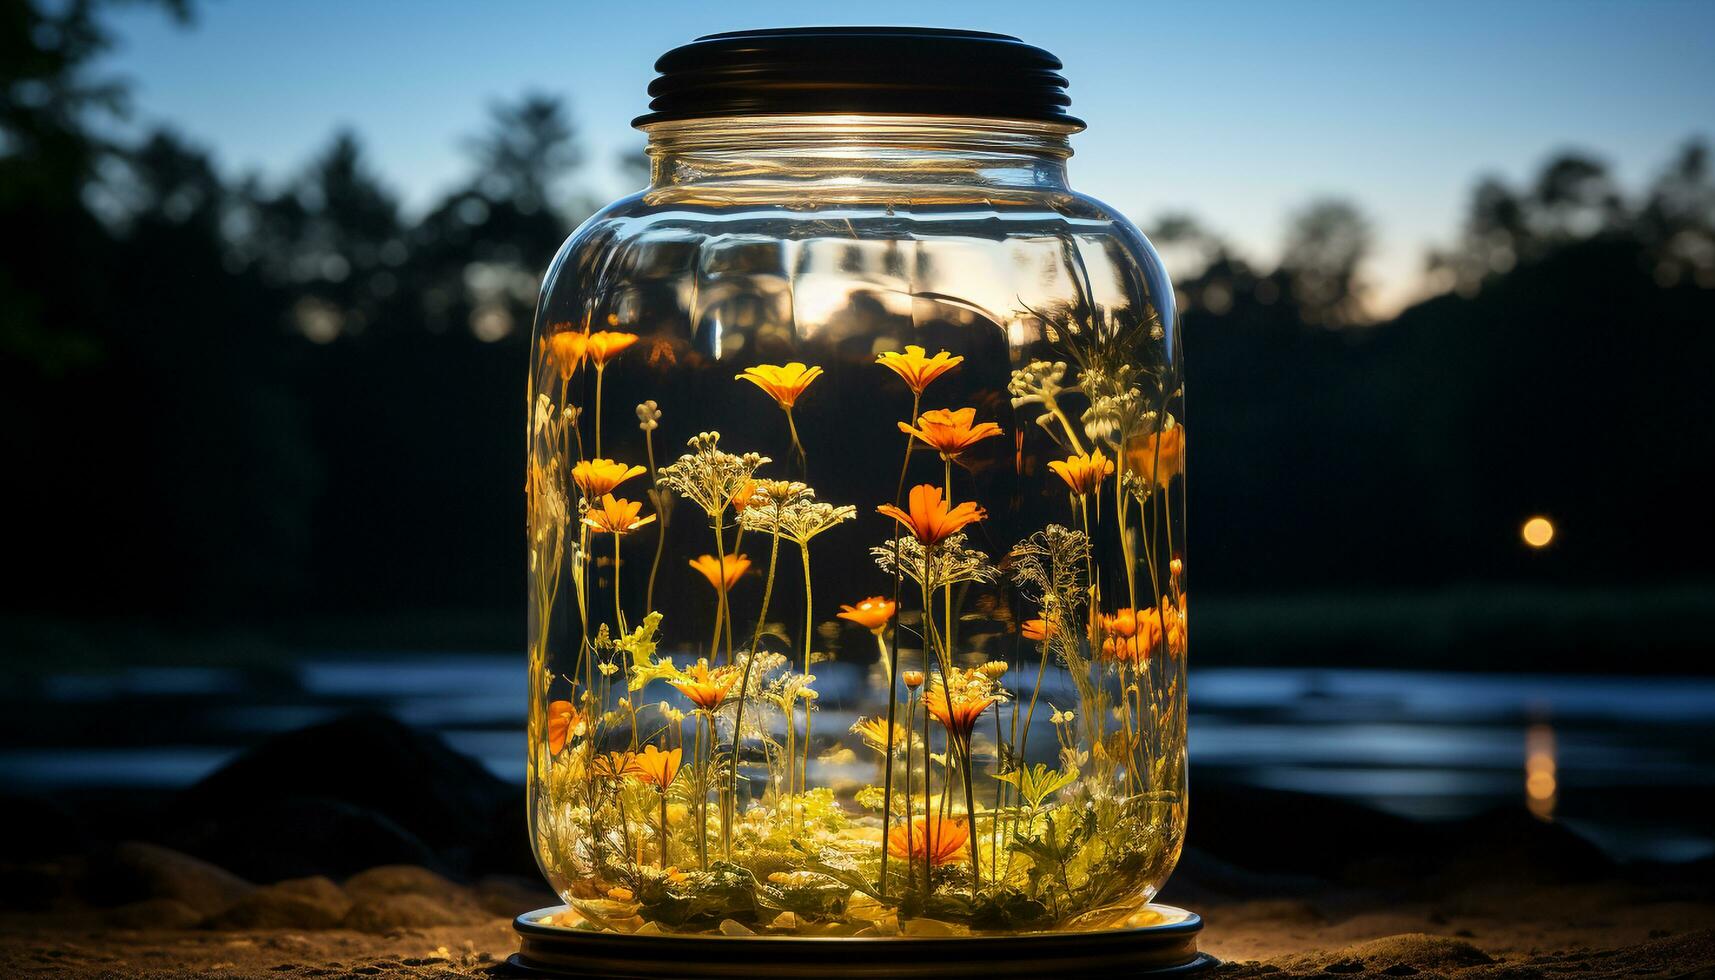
x: 1024, y: 734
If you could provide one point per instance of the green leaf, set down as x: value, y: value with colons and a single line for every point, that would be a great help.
x: 1037, y: 783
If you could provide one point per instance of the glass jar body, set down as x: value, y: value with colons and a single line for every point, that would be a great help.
x: 856, y: 498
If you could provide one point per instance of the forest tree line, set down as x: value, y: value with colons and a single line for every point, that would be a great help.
x: 229, y: 398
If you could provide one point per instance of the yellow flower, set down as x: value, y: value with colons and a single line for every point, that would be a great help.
x: 784, y: 383
x: 951, y: 432
x: 1083, y: 474
x: 707, y: 688
x: 1157, y: 455
x: 600, y: 476
x: 874, y: 731
x: 657, y: 768
x: 872, y: 613
x: 616, y: 516
x: 1036, y: 629
x: 605, y: 345
x: 942, y: 841
x: 710, y: 567
x: 918, y: 371
x: 930, y: 520
x: 913, y: 679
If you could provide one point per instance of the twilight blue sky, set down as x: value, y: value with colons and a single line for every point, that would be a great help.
x: 1235, y: 112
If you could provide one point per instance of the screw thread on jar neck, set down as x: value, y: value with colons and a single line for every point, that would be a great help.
x: 868, y: 148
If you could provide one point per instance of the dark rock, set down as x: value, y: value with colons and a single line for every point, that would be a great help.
x: 300, y: 903
x: 155, y: 913
x: 380, y: 912
x: 412, y: 780
x: 406, y: 880
x: 37, y: 886
x: 512, y: 896
x: 507, y: 848
x: 1200, y: 879
x: 1509, y: 843
x: 39, y: 828
x: 296, y: 837
x: 1246, y: 826
x: 134, y: 871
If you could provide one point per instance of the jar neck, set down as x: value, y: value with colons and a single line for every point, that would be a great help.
x: 854, y: 150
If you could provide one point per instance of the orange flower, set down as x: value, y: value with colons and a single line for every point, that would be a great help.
x: 707, y: 688
x: 565, y: 349
x: 930, y: 520
x: 1175, y: 616
x: 1125, y: 622
x: 941, y: 840
x: 918, y: 371
x: 1135, y: 636
x: 1036, y: 629
x: 913, y: 679
x: 710, y: 567
x: 1083, y: 474
x: 872, y: 613
x: 784, y: 383
x: 615, y: 765
x: 600, y: 476
x: 951, y: 432
x: 657, y: 768
x: 605, y: 345
x: 741, y: 499
x: 959, y: 713
x: 1143, y: 458
x: 1133, y: 649
x: 616, y: 516
x: 565, y: 722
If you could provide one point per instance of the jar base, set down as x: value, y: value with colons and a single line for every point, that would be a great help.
x: 1168, y: 947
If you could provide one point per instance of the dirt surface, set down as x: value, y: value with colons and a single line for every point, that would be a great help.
x: 1486, y: 930
x: 268, y: 869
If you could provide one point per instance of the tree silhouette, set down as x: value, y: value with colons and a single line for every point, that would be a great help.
x: 528, y: 148
x: 1326, y: 245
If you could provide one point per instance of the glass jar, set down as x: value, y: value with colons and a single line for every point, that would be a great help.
x: 856, y: 511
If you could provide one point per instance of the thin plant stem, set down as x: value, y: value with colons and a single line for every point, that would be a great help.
x: 955, y: 746
x: 663, y: 827
x: 891, y: 660
x: 600, y: 373
x: 719, y: 525
x: 743, y: 692
x: 703, y: 792
x: 661, y: 532
x: 809, y: 624
x: 797, y: 446
x: 618, y: 610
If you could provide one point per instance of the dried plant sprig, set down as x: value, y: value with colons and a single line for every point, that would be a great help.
x: 707, y: 476
x: 951, y: 563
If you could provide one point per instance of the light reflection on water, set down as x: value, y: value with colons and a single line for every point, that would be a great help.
x: 1422, y: 744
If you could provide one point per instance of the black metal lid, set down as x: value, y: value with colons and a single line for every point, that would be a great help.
x: 877, y: 70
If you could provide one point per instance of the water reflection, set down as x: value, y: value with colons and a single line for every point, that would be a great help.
x: 1540, y: 788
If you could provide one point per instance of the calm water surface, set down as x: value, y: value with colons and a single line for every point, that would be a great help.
x: 1624, y: 761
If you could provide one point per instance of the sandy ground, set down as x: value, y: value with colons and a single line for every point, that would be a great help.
x: 1493, y: 930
